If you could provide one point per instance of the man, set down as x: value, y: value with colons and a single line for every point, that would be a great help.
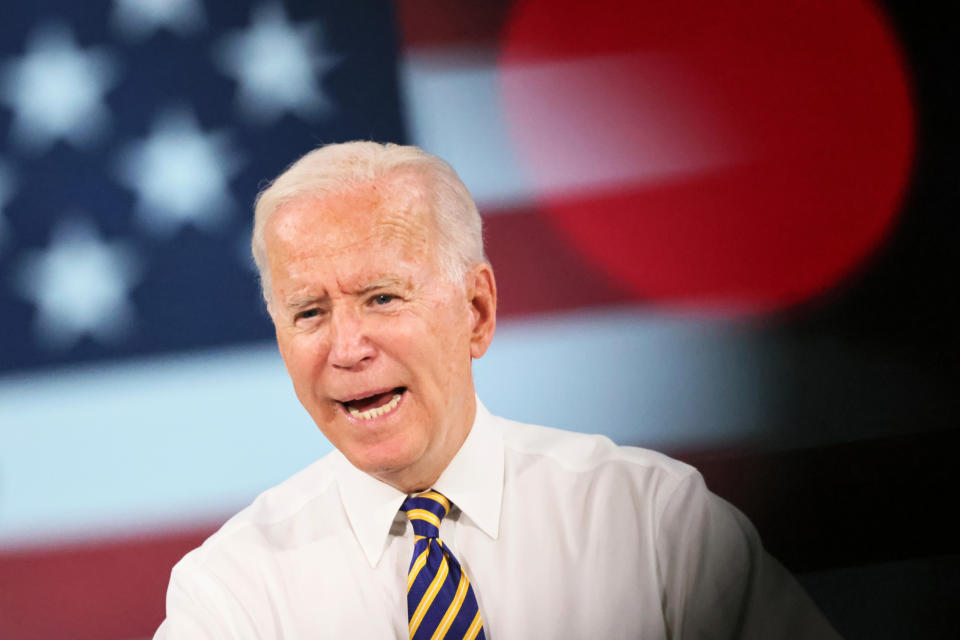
x: 434, y: 517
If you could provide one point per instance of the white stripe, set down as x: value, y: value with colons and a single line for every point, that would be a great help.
x: 607, y: 122
x: 101, y: 450
x: 453, y: 110
x: 664, y: 381
x: 658, y: 126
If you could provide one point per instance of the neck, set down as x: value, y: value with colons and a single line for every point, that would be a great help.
x: 430, y: 467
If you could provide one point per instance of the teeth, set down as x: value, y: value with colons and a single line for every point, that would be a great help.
x: 378, y: 411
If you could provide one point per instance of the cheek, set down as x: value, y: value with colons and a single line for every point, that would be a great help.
x: 449, y: 346
x: 303, y: 358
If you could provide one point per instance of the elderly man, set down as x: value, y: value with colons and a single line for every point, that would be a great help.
x: 434, y: 518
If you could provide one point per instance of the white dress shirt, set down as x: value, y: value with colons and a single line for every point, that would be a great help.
x: 563, y: 535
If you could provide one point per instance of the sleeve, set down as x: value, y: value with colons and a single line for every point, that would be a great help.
x: 201, y: 607
x: 718, y: 581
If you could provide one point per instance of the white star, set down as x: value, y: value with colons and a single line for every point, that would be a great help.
x: 79, y: 285
x: 56, y: 90
x: 180, y: 174
x: 138, y: 19
x: 277, y: 65
x: 6, y: 192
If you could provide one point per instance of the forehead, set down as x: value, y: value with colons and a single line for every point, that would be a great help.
x: 389, y: 213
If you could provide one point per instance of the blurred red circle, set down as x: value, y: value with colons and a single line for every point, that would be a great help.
x: 741, y: 156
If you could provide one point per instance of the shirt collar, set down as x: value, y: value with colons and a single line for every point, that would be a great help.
x: 473, y: 481
x: 474, y: 478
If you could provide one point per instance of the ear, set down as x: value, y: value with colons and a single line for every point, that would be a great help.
x: 482, y: 298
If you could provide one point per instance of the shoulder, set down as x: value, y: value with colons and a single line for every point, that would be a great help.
x: 276, y: 512
x: 582, y: 451
x: 590, y: 456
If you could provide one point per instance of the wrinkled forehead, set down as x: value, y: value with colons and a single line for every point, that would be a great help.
x: 391, y: 212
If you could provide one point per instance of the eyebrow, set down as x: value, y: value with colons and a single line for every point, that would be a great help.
x: 380, y: 283
x: 298, y: 304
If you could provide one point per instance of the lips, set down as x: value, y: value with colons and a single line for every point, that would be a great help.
x: 373, y: 405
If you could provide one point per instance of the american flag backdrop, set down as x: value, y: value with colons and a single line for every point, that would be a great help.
x: 716, y: 228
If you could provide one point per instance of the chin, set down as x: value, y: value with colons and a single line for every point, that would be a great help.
x: 384, y: 461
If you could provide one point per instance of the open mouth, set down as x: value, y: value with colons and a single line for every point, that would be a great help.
x: 375, y: 405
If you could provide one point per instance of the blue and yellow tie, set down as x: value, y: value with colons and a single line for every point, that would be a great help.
x: 440, y: 600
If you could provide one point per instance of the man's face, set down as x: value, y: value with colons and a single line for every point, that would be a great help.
x: 378, y: 344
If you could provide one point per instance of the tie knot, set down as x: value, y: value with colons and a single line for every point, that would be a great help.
x: 425, y: 511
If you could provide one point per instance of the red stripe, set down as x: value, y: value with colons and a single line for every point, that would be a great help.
x: 108, y: 590
x: 454, y: 23
x: 538, y: 271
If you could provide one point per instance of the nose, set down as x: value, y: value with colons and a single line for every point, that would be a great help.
x: 350, y: 346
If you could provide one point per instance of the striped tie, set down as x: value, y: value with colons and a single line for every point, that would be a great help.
x: 440, y: 600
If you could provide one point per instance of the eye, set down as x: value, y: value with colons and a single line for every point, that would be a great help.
x: 383, y: 298
x: 309, y: 313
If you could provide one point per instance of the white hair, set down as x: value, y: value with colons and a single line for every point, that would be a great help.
x: 338, y: 168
